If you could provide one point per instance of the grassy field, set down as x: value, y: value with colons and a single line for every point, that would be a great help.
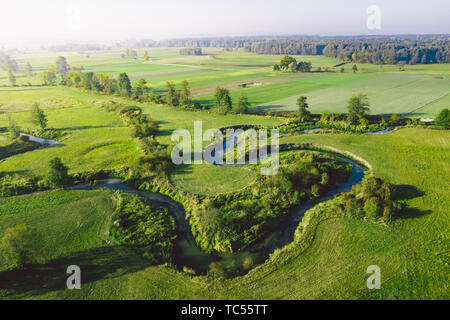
x: 412, y: 252
x: 96, y: 139
x: 420, y: 90
x: 211, y: 180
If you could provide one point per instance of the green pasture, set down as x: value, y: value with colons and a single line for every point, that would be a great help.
x: 412, y: 252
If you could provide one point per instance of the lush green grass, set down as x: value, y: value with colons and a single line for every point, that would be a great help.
x: 412, y: 252
x: 212, y: 180
x: 419, y: 94
x: 96, y: 139
x: 69, y: 221
x: 415, y: 90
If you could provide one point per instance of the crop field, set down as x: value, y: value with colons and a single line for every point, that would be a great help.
x: 420, y: 90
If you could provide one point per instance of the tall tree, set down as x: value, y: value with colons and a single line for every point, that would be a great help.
x: 13, y: 130
x: 172, y: 96
x: 242, y: 104
x: 355, y: 68
x: 146, y: 56
x: 29, y: 69
x: 303, y: 106
x: 49, y: 77
x: 222, y: 100
x: 185, y: 95
x: 57, y: 176
x: 358, y: 106
x: 38, y: 116
x: 62, y: 66
x: 443, y: 119
x: 12, y: 78
x: 124, y: 85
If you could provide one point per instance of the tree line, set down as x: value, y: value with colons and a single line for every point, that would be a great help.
x: 380, y: 50
x: 191, y: 51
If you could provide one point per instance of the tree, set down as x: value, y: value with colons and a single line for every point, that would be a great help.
x: 124, y: 85
x: 286, y: 62
x: 62, y: 66
x: 146, y: 56
x: 242, y: 104
x: 342, y: 69
x: 29, y: 69
x: 90, y: 81
x: 304, y: 66
x: 140, y: 89
x: 355, y: 68
x: 185, y: 96
x: 12, y: 79
x: 303, y: 108
x: 74, y: 78
x: 38, y: 116
x: 131, y: 54
x: 443, y: 119
x: 222, y: 100
x: 172, y: 96
x: 57, y: 176
x: 358, y: 105
x: 13, y: 130
x: 49, y: 77
x: 21, y: 245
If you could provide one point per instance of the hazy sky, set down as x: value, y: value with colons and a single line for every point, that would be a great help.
x: 73, y: 20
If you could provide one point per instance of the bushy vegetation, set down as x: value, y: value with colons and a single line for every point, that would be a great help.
x: 373, y: 200
x: 191, y: 51
x: 57, y: 176
x: 144, y: 227
x: 289, y: 63
x: 231, y: 222
x: 19, y: 246
x: 443, y: 119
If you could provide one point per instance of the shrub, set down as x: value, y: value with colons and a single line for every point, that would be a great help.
x: 57, y: 176
x: 145, y: 227
x: 20, y: 245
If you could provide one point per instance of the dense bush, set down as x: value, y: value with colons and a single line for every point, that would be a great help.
x: 19, y: 246
x: 145, y: 227
x: 10, y: 186
x: 373, y: 200
x: 443, y: 119
x: 231, y: 222
x: 57, y: 176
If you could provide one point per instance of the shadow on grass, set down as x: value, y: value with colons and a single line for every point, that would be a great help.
x: 270, y: 108
x: 95, y: 264
x: 406, y: 192
x: 86, y: 127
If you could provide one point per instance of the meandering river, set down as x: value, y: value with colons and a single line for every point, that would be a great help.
x: 188, y: 254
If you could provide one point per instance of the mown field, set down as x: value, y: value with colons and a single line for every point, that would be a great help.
x: 412, y: 252
x: 420, y: 90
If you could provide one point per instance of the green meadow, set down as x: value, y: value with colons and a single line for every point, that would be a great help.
x: 419, y: 90
x: 412, y: 251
